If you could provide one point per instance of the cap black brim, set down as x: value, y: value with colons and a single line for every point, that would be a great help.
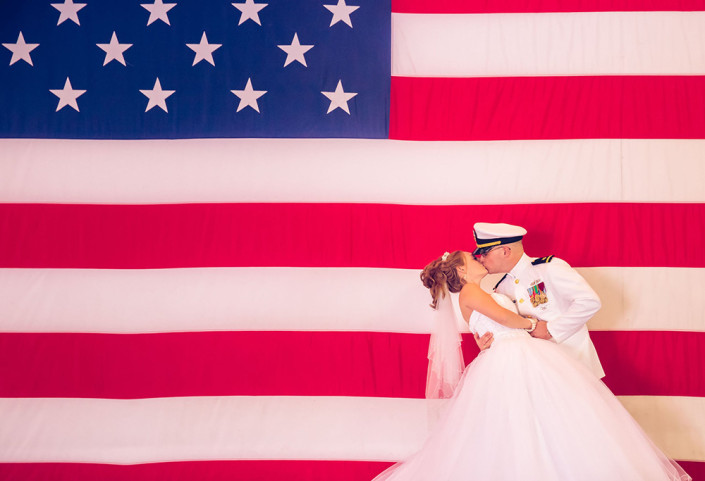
x: 496, y: 242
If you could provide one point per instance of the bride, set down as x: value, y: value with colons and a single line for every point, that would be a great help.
x: 524, y: 409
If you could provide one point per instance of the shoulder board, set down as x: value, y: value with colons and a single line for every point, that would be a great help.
x: 500, y: 281
x: 542, y: 260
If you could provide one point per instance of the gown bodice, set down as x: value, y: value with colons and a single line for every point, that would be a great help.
x: 481, y: 324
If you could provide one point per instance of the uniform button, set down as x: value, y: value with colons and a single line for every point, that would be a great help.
x: 516, y: 281
x: 521, y: 300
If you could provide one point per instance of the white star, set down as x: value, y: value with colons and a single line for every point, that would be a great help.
x: 204, y: 50
x: 69, y: 11
x: 114, y: 50
x: 341, y: 12
x: 158, y: 11
x: 339, y: 98
x: 157, y: 96
x: 249, y: 96
x: 20, y: 50
x: 250, y: 11
x: 295, y: 51
x: 67, y: 96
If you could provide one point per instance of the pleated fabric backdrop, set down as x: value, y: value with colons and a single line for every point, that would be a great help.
x: 220, y: 308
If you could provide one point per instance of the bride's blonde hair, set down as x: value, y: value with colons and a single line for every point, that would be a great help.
x: 442, y: 274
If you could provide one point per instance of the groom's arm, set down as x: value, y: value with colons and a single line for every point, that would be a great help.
x: 578, y: 301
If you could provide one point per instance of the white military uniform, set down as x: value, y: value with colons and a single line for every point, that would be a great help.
x: 550, y: 290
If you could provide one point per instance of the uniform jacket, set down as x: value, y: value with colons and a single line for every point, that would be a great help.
x: 550, y: 290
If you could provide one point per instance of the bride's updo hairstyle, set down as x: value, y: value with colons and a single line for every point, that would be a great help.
x: 441, y: 273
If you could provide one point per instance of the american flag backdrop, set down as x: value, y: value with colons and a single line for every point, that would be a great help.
x: 213, y: 216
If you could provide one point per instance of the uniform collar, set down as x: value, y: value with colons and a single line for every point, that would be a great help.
x: 518, y: 269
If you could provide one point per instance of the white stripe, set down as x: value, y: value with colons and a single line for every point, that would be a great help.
x: 662, y: 170
x: 307, y: 299
x: 314, y: 428
x: 675, y: 424
x: 236, y: 299
x: 202, y: 428
x: 648, y: 298
x: 544, y: 44
x: 345, y: 170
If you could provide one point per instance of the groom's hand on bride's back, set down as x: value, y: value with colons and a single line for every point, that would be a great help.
x: 484, y: 341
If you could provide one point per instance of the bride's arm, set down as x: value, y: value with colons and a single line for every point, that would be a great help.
x: 473, y: 298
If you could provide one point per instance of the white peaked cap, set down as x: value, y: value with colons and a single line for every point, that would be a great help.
x: 488, y: 235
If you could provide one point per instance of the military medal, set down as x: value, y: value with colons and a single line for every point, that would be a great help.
x: 537, y: 293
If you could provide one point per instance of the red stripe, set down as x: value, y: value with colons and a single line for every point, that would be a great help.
x: 529, y: 6
x: 694, y: 469
x: 338, y: 235
x: 547, y: 108
x: 196, y: 471
x: 299, y: 364
x: 652, y: 363
x: 219, y: 471
x: 212, y: 364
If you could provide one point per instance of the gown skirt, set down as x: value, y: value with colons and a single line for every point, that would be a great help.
x: 526, y: 410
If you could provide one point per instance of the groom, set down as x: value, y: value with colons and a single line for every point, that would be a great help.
x: 546, y: 288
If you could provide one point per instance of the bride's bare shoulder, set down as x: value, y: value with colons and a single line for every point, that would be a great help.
x: 470, y: 288
x: 471, y: 293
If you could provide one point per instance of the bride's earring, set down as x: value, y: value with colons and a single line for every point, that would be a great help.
x: 464, y: 274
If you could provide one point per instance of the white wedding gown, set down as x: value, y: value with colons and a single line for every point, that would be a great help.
x: 525, y: 410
